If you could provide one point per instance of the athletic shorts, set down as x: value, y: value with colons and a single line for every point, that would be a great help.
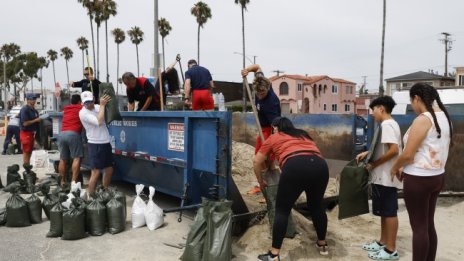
x: 202, y: 100
x: 70, y: 145
x: 100, y: 155
x: 384, y: 201
x: 27, y: 141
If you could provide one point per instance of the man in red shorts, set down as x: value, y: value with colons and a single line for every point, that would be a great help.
x: 199, y: 80
x: 29, y: 124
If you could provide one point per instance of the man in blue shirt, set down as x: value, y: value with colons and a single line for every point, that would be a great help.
x: 29, y: 124
x: 199, y: 80
x: 85, y: 85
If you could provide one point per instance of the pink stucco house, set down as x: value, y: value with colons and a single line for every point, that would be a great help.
x: 314, y: 94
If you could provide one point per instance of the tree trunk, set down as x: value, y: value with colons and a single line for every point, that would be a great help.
x: 381, y: 88
x: 117, y: 71
x: 54, y: 78
x: 244, y: 100
x: 93, y: 44
x: 67, y: 74
x: 98, y: 53
x: 198, y: 46
x: 137, y: 51
x: 164, y: 61
x: 32, y: 84
x: 107, y: 71
x: 83, y: 66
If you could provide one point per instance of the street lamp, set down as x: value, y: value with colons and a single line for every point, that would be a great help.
x: 246, y: 56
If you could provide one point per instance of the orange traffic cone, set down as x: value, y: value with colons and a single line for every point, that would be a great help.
x: 3, y: 133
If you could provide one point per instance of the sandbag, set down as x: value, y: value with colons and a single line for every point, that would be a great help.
x: 75, y: 192
x: 95, y: 216
x: 1, y: 184
x: 111, y: 108
x: 115, y: 216
x: 18, y: 214
x: 103, y: 195
x: 30, y: 178
x: 12, y: 174
x: 49, y: 199
x: 153, y: 214
x: 34, y: 206
x: 218, y: 241
x: 56, y: 219
x: 2, y: 216
x: 353, y: 195
x: 196, y: 236
x: 121, y: 197
x: 74, y: 222
x: 138, y: 208
x: 270, y: 194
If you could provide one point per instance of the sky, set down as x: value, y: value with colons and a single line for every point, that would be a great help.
x: 338, y: 38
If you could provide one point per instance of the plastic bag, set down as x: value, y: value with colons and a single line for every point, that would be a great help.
x: 2, y: 216
x: 39, y: 159
x: 56, y: 219
x: 34, y: 205
x: 111, y: 109
x: 12, y: 174
x: 138, y: 208
x: 218, y: 241
x: 95, y: 216
x: 49, y: 199
x: 76, y: 191
x: 74, y: 222
x: 196, y: 236
x: 153, y: 214
x: 115, y: 215
x: 18, y: 214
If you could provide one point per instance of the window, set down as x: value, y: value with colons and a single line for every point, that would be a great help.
x: 349, y: 89
x: 334, y: 89
x: 325, y: 88
x: 300, y: 87
x: 347, y: 107
x: 325, y: 107
x: 461, y: 80
x: 283, y: 88
x: 334, y: 107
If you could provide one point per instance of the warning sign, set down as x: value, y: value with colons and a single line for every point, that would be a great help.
x: 176, y: 136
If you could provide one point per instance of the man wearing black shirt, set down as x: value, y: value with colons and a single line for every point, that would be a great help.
x: 141, y: 90
x: 85, y: 85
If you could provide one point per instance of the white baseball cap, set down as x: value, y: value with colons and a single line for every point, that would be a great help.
x: 86, y: 96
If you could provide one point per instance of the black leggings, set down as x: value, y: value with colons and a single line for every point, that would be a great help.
x: 301, y: 173
x: 420, y: 196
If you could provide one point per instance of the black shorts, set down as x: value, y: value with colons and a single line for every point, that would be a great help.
x: 100, y: 156
x: 384, y: 201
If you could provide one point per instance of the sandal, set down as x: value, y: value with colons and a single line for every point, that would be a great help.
x: 383, y: 255
x: 373, y: 246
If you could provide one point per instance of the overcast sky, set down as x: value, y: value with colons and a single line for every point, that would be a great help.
x: 339, y: 38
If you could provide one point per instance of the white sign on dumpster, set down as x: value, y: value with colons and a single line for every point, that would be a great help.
x: 176, y: 136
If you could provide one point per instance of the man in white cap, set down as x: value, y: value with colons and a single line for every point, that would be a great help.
x: 92, y: 117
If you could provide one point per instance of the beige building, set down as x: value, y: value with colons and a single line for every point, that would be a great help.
x: 459, y: 76
x: 404, y: 82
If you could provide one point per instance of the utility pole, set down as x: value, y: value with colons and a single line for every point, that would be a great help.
x: 448, y: 42
x: 363, y: 87
x: 155, y: 51
x: 5, y: 100
x: 278, y: 72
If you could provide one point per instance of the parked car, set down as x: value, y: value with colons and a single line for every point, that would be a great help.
x: 15, y: 110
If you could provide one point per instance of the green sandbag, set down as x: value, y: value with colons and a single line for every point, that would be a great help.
x: 95, y: 215
x: 218, y: 241
x: 2, y: 216
x: 30, y: 178
x: 115, y: 215
x: 11, y: 150
x: 56, y: 221
x: 34, y: 205
x: 49, y: 199
x: 270, y: 194
x: 12, y: 174
x: 353, y: 197
x: 103, y: 195
x: 111, y: 109
x: 121, y: 197
x: 18, y: 214
x: 196, y: 236
x: 74, y: 222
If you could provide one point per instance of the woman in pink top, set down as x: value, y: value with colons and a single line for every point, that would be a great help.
x: 422, y: 166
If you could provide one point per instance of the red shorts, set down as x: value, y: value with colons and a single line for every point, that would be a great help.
x: 27, y: 141
x: 202, y: 100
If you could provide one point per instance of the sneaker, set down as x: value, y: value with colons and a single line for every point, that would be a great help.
x: 3, y: 153
x: 382, y: 254
x: 254, y: 190
x: 268, y: 257
x: 374, y: 246
x: 323, y: 249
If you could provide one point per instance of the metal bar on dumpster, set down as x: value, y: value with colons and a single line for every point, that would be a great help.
x: 170, y: 210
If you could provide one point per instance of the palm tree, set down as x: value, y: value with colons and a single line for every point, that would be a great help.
x: 52, y: 56
x: 108, y: 9
x: 164, y: 29
x: 202, y: 12
x: 83, y: 44
x: 119, y: 37
x: 136, y: 36
x: 381, y: 88
x: 9, y: 51
x: 243, y: 4
x: 98, y: 17
x: 90, y: 6
x: 43, y: 64
x: 67, y: 54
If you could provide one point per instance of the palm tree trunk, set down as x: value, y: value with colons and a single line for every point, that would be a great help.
x: 106, y: 32
x: 137, y: 51
x: 243, y: 50
x: 32, y: 84
x: 117, y: 71
x: 381, y: 88
x: 83, y: 66
x: 67, y: 74
x: 198, y: 46
x: 98, y: 52
x: 54, y: 78
x: 93, y: 44
x: 164, y: 61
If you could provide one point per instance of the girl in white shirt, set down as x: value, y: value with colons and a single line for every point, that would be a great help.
x: 426, y: 146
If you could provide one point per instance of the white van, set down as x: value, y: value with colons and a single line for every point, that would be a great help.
x: 453, y: 99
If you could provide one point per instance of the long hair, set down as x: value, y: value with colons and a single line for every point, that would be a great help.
x: 284, y: 125
x: 429, y: 94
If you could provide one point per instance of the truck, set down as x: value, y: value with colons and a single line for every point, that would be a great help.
x: 453, y: 99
